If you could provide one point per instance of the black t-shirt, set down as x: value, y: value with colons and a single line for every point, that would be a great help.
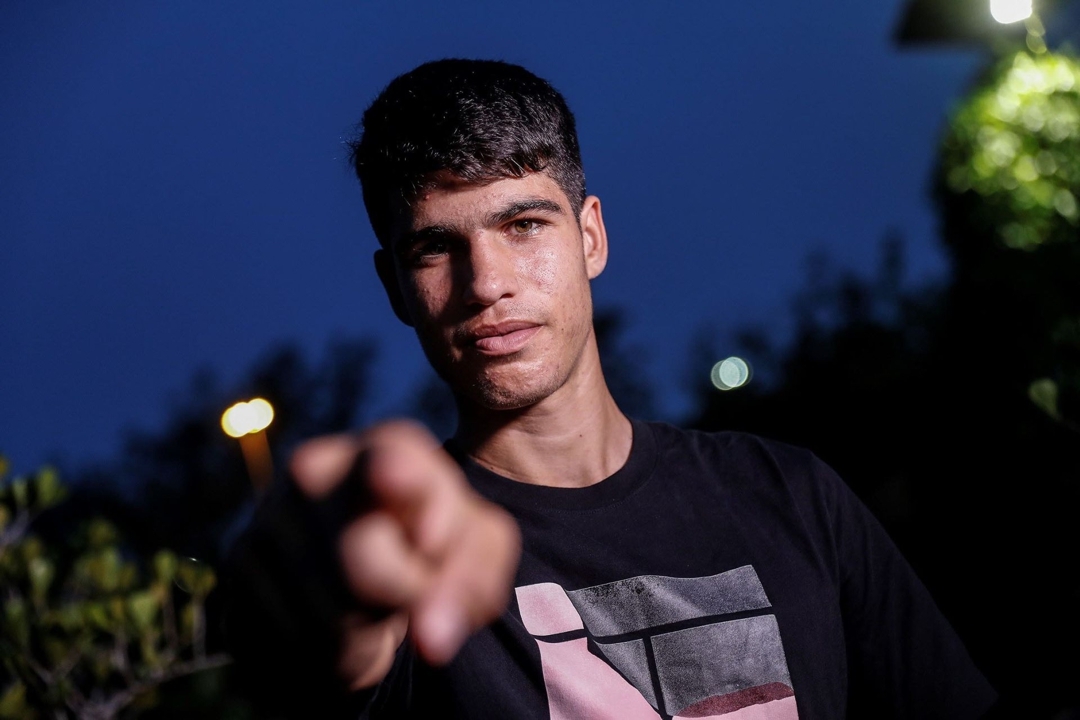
x: 715, y: 575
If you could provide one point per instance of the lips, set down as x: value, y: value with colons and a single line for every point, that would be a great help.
x: 503, y: 338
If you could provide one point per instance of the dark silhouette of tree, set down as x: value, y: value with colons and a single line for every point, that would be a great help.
x: 433, y: 404
x: 624, y: 365
x: 1010, y: 320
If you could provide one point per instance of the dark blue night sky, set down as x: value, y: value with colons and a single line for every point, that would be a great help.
x: 174, y: 191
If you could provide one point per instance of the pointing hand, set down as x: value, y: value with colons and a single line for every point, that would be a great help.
x: 425, y: 548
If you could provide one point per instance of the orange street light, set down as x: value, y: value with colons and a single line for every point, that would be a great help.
x: 247, y: 422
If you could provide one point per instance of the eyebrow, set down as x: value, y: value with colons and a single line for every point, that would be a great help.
x: 498, y: 217
x: 522, y: 206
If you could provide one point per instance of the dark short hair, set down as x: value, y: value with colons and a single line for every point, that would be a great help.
x: 481, y: 120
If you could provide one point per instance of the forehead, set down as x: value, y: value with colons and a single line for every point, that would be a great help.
x: 453, y: 202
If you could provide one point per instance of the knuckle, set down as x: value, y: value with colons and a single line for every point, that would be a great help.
x: 362, y: 542
x: 399, y: 431
x: 318, y: 465
x: 376, y: 561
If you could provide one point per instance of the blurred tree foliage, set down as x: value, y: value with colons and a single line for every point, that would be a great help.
x: 1007, y: 186
x: 84, y: 634
x: 1015, y: 142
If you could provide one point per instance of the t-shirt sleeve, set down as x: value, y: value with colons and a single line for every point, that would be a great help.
x: 905, y: 661
x: 904, y: 658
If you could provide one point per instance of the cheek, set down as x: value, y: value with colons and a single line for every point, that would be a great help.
x: 542, y: 269
x: 425, y: 297
x: 555, y: 272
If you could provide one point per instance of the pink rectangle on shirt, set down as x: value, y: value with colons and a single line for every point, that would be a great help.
x: 581, y: 685
x: 546, y: 610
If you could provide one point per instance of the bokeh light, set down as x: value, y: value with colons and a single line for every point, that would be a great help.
x: 1010, y: 11
x: 245, y: 418
x: 730, y: 373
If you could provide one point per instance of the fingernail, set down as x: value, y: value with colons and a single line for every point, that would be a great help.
x: 443, y: 631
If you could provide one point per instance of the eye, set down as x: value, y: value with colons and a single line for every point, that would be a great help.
x: 433, y: 247
x: 427, y: 251
x: 525, y: 226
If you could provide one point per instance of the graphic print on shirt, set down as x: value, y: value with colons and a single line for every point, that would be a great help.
x: 654, y: 647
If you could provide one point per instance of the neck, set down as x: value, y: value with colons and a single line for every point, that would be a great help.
x: 575, y: 437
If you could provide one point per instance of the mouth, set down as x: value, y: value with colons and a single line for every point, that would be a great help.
x: 503, y: 338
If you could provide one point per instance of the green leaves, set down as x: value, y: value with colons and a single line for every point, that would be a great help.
x: 1016, y: 142
x: 142, y: 609
x: 41, y: 573
x: 165, y: 564
x: 101, y: 534
x: 47, y: 488
x: 1044, y: 393
x: 20, y: 493
x: 96, y: 616
x: 86, y: 625
x: 16, y: 621
x: 13, y: 703
x: 33, y: 494
x: 195, y: 577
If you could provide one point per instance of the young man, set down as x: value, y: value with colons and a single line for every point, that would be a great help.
x: 556, y: 559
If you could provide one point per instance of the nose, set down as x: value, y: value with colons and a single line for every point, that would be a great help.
x: 488, y: 273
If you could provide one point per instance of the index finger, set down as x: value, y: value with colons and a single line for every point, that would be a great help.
x: 319, y: 465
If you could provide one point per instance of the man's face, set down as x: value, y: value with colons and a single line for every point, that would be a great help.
x: 495, y: 280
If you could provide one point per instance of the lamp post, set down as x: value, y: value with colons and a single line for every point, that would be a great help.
x: 247, y: 422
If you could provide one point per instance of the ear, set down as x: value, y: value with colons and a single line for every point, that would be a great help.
x: 593, y: 237
x: 384, y: 266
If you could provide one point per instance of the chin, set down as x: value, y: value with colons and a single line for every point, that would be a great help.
x: 503, y: 389
x: 504, y: 399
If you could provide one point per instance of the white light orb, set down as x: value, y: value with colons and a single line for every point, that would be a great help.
x: 1010, y: 11
x: 245, y: 418
x: 730, y: 373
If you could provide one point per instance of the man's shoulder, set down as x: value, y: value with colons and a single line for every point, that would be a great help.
x: 732, y: 446
x: 745, y: 463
